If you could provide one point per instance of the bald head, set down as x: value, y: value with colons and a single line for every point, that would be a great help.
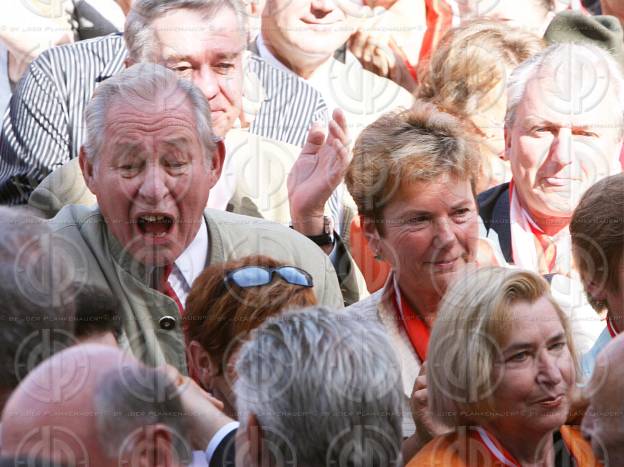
x: 603, y: 424
x: 52, y: 410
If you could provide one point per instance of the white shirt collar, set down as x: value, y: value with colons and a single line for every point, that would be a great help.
x: 192, y: 261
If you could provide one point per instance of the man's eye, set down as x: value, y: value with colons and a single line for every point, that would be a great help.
x: 182, y: 68
x: 225, y: 66
x: 463, y: 212
x: 589, y: 134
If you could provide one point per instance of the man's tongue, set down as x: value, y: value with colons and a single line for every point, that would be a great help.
x: 155, y: 225
x: 156, y: 228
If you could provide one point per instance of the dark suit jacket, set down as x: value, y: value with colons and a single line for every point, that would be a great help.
x: 494, y: 211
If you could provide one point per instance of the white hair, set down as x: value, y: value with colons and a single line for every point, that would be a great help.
x: 563, y: 58
x: 139, y: 35
x: 328, y: 374
x: 143, y: 84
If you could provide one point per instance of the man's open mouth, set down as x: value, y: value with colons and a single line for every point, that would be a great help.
x: 156, y: 225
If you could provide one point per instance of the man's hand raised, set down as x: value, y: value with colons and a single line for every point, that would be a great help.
x: 318, y: 171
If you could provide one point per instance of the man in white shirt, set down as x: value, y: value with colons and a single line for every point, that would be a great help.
x: 301, y: 37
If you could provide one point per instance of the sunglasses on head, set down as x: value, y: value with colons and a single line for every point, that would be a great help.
x: 255, y: 276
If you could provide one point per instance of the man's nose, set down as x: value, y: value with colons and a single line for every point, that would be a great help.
x: 323, y: 5
x: 562, y: 147
x: 207, y: 81
x: 153, y: 187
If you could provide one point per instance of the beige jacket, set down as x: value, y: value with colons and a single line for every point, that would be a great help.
x: 252, y: 183
x: 95, y: 258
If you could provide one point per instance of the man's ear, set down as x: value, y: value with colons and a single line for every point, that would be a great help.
x: 201, y: 365
x: 505, y: 155
x: 218, y: 159
x: 128, y: 62
x: 154, y: 447
x: 87, y: 169
x: 596, y: 291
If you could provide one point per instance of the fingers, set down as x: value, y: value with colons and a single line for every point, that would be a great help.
x: 315, y: 139
x: 341, y: 130
x: 356, y: 44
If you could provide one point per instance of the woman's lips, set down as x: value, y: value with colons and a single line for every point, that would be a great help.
x: 551, y: 403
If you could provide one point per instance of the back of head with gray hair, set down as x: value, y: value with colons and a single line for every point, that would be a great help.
x: 129, y: 398
x: 37, y: 302
x: 145, y: 86
x: 139, y: 35
x: 325, y: 387
x: 565, y: 61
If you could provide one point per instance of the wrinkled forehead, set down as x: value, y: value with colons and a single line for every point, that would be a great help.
x: 169, y: 115
x: 576, y: 89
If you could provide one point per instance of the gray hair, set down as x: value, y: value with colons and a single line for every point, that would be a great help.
x: 328, y: 374
x: 31, y: 309
x: 131, y: 397
x: 563, y: 57
x: 139, y: 35
x: 142, y: 84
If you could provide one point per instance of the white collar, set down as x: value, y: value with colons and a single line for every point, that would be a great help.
x: 192, y: 261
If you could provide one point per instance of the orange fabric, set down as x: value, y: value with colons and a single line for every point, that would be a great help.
x: 416, y: 329
x: 439, y: 21
x: 462, y: 449
x: 578, y: 447
x: 375, y: 272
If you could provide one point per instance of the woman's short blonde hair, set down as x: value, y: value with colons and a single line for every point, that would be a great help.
x: 416, y: 145
x: 473, y: 321
x: 471, y: 61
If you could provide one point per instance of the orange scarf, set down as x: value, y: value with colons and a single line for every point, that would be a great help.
x: 416, y: 329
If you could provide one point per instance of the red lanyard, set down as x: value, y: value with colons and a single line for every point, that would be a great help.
x: 611, y: 327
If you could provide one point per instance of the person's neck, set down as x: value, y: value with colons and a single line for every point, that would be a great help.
x: 529, y: 449
x: 422, y: 303
x: 303, y: 68
x: 550, y: 225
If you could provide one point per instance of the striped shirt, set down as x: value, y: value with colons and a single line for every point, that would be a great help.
x: 43, y: 126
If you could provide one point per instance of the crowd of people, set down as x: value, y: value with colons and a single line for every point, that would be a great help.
x: 312, y: 233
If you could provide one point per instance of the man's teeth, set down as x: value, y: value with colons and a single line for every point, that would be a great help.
x: 155, y: 218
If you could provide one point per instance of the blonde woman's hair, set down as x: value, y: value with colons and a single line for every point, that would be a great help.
x: 473, y: 320
x: 416, y: 145
x: 471, y: 61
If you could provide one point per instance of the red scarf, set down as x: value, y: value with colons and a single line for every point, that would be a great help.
x: 496, y: 449
x: 549, y: 249
x: 416, y: 329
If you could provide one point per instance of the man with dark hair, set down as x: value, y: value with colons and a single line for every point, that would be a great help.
x: 97, y: 316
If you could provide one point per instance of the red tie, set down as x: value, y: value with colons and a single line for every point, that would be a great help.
x: 165, y: 287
